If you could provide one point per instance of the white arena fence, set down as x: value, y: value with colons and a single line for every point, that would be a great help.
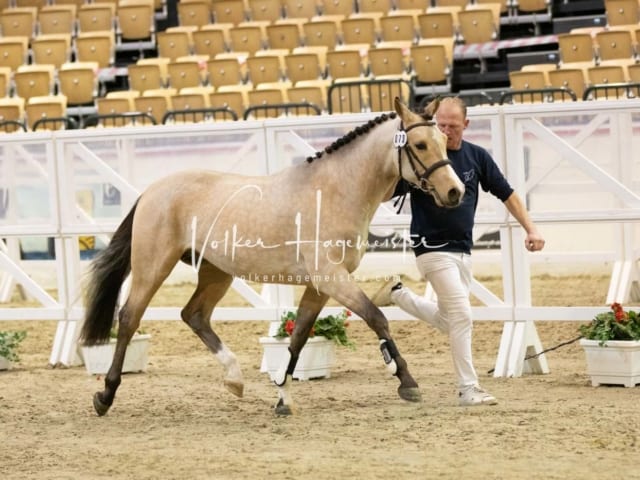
x: 576, y: 164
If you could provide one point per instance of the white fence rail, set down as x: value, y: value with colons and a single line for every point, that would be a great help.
x: 574, y: 164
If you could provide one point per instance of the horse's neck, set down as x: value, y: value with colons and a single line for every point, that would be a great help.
x: 368, y: 164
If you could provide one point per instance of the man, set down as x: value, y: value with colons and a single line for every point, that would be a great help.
x: 442, y: 241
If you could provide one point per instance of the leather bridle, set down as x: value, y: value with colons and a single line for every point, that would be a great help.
x: 400, y: 141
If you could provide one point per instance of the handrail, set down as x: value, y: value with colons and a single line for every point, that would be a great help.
x: 591, y: 92
x: 206, y: 114
x: 537, y: 95
x: 69, y: 123
x: 283, y: 108
x: 118, y: 119
x: 16, y: 124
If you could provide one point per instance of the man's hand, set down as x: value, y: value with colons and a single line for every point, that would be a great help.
x: 534, y: 242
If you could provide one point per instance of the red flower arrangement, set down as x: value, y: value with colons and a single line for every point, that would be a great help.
x: 616, y: 324
x: 333, y: 327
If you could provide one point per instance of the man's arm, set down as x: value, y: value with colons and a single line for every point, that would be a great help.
x: 534, y: 240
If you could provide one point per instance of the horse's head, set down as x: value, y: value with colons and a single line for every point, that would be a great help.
x: 422, y: 156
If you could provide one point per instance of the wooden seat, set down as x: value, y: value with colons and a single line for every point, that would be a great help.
x: 57, y: 19
x: 633, y: 71
x: 184, y: 73
x: 621, y: 12
x: 283, y: 35
x: 78, y: 81
x: 359, y: 30
x: 269, y: 10
x: 321, y: 33
x: 398, y: 27
x: 545, y: 68
x: 247, y: 39
x: 381, y: 95
x: 264, y: 69
x: 437, y: 24
x: 224, y: 71
x: 47, y: 106
x: 135, y: 23
x: 5, y: 81
x: 155, y: 102
x: 34, y: 81
x: 96, y: 17
x: 300, y: 9
x: 385, y: 62
x: 235, y: 101
x: 194, y: 13
x: 571, y: 78
x: 376, y: 6
x: 14, y: 51
x: 303, y: 66
x: 430, y: 64
x: 527, y: 80
x: 413, y: 4
x: 51, y: 49
x: 478, y: 25
x: 18, y: 22
x: 265, y: 97
x: 614, y: 44
x: 229, y: 11
x: 96, y: 47
x: 112, y: 106
x: 174, y: 43
x: 314, y: 95
x: 208, y: 42
x: 344, y: 64
x: 12, y: 110
x: 575, y: 47
x: 346, y: 98
x: 337, y: 8
x: 143, y: 77
x: 182, y: 102
x: 161, y: 63
x: 606, y: 74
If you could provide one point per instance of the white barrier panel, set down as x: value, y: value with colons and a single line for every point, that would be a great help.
x: 572, y: 162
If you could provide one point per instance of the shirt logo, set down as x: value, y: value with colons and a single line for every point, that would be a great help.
x: 468, y: 175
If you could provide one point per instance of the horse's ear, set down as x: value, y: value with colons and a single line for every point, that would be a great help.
x: 430, y: 110
x: 400, y: 107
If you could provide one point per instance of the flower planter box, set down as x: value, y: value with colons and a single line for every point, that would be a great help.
x: 616, y: 363
x: 315, y: 361
x: 97, y: 359
x: 5, y: 364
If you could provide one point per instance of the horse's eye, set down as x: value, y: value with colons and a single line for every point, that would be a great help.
x: 421, y: 146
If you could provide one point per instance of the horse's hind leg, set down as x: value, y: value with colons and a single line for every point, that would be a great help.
x: 353, y: 298
x: 144, y: 284
x: 310, y: 305
x: 212, y: 285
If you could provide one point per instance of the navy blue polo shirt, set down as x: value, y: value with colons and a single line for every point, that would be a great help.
x: 435, y: 228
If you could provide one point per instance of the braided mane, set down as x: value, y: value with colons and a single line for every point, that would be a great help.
x: 353, y: 134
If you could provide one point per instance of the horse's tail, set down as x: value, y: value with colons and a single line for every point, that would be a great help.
x: 108, y: 272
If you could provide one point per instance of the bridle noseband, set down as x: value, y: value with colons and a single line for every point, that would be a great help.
x: 400, y: 141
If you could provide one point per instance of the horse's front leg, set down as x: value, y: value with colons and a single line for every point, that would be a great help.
x: 308, y: 310
x: 353, y: 298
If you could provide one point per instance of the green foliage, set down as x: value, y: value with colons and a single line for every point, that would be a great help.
x: 333, y: 327
x: 9, y: 342
x: 616, y: 324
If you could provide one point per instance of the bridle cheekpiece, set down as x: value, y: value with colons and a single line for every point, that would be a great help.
x: 400, y: 141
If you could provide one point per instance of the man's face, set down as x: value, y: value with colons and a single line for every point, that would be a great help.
x: 451, y: 122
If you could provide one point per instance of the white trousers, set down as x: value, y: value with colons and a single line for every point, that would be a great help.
x: 450, y: 276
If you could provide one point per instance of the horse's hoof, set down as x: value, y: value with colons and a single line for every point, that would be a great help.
x: 237, y: 388
x: 101, y: 408
x: 283, y: 410
x: 410, y: 394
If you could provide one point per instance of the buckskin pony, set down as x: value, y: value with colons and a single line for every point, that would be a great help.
x: 306, y: 224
